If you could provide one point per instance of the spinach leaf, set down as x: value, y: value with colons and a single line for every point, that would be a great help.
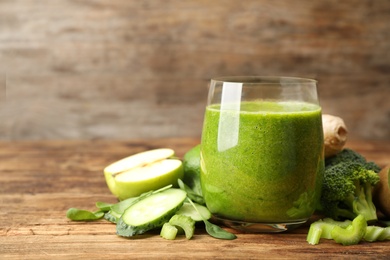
x: 214, y: 230
x: 103, y: 206
x: 83, y: 215
x: 218, y: 232
x: 193, y: 195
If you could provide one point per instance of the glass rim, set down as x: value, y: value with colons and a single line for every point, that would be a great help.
x: 262, y: 79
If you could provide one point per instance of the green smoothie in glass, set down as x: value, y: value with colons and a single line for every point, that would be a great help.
x: 262, y: 161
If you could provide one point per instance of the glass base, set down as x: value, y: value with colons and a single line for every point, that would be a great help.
x: 257, y: 227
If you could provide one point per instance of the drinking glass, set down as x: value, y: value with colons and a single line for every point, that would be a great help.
x: 262, y: 157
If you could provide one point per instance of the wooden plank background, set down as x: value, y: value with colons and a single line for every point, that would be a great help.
x: 121, y: 69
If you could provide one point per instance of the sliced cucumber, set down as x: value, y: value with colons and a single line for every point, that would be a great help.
x: 168, y: 231
x: 117, y: 209
x: 110, y: 216
x: 150, y: 212
x: 184, y: 222
x: 188, y: 210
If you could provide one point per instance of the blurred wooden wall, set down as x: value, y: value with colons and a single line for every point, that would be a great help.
x: 121, y: 69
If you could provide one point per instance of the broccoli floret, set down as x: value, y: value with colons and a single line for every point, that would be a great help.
x: 344, y: 232
x: 347, y: 191
x: 349, y: 155
x: 347, y: 186
x: 344, y: 156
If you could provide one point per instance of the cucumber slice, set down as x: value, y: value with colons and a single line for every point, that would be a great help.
x: 188, y: 210
x: 168, y: 231
x: 184, y: 222
x: 116, y: 210
x: 150, y: 212
x: 110, y: 216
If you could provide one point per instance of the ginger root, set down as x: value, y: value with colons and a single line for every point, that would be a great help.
x: 335, y: 134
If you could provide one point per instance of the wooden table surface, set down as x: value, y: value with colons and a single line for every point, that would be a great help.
x: 40, y: 180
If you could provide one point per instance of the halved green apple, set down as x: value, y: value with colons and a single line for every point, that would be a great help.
x: 142, y: 172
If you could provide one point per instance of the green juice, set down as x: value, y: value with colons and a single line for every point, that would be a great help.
x: 262, y: 162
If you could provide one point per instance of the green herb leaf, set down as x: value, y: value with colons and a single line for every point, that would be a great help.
x: 83, y: 215
x: 217, y: 232
x: 121, y: 206
x: 103, y: 206
x: 214, y: 230
x: 190, y: 193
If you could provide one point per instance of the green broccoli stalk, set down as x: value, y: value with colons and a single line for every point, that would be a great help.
x: 342, y: 232
x: 347, y: 186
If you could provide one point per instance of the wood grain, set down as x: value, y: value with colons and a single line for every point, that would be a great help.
x: 139, y: 69
x: 40, y: 180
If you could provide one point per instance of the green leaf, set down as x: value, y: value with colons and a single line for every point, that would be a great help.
x: 214, y: 230
x: 83, y: 215
x: 121, y: 206
x: 190, y: 193
x: 103, y: 206
x: 217, y: 232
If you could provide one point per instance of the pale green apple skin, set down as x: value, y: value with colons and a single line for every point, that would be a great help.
x: 129, y: 189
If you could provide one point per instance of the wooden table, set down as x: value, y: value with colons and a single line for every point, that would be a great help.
x: 40, y: 180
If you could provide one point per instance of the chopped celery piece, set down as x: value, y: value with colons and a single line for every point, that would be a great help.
x: 184, y: 222
x: 168, y: 231
x: 375, y: 233
x: 352, y: 234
